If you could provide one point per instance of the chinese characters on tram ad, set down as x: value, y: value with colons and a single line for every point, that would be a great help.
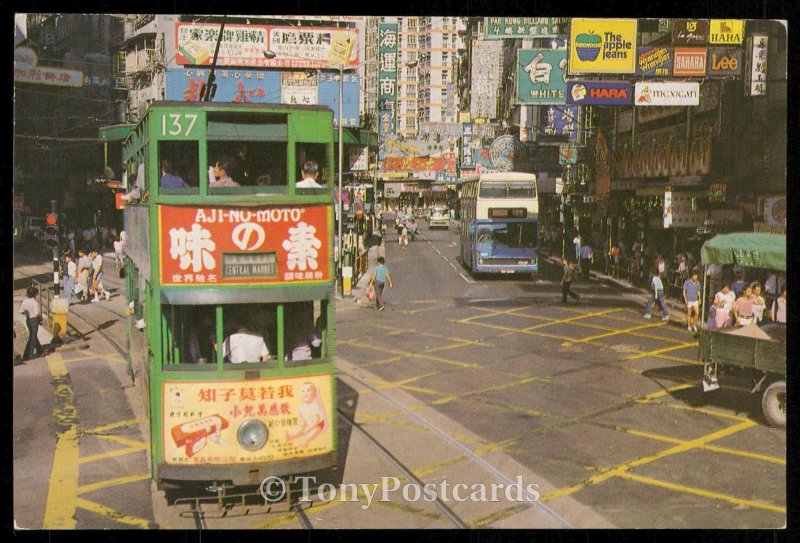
x: 263, y: 245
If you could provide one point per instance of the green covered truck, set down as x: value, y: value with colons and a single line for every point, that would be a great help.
x: 754, y: 352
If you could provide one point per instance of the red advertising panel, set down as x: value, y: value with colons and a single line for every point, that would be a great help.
x: 414, y: 163
x: 243, y: 245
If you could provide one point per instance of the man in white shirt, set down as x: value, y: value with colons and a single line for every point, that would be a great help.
x: 245, y: 346
x: 69, y: 281
x: 310, y: 174
x: 30, y: 308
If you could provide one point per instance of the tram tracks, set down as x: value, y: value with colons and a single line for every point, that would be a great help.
x: 474, y: 458
x: 199, y: 518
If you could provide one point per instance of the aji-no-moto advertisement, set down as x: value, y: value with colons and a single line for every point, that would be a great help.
x: 202, y: 419
x: 200, y: 246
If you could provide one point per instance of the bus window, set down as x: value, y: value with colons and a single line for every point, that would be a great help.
x: 178, y: 167
x: 250, y: 332
x: 521, y: 190
x: 304, y: 325
x: 515, y: 235
x: 493, y: 190
x: 188, y: 334
x: 305, y: 152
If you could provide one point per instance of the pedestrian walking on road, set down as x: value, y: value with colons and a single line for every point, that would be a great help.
x: 658, y: 295
x: 566, y: 281
x: 379, y: 279
x: 84, y: 272
x: 30, y: 308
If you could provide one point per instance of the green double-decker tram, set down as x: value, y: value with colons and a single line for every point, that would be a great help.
x: 230, y: 279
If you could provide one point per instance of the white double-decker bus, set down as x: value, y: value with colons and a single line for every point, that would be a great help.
x: 499, y: 223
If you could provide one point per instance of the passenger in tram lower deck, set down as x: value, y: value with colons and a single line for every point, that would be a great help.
x: 244, y: 345
x: 299, y: 330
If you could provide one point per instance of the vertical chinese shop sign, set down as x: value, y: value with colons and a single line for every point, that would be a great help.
x: 200, y: 246
x: 387, y: 78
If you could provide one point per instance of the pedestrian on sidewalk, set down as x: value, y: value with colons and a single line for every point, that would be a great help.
x: 97, y: 279
x: 691, y: 289
x: 658, y: 295
x: 30, y: 308
x: 587, y: 258
x: 566, y: 281
x: 84, y: 272
x: 118, y: 253
x: 70, y: 277
x: 576, y: 243
x: 379, y: 279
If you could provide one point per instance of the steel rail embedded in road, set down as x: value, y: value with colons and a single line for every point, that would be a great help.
x: 475, y: 458
x: 457, y: 522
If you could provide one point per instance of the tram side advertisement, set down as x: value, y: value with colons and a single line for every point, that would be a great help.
x: 202, y: 419
x: 199, y: 246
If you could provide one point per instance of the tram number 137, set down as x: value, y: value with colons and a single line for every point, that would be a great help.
x: 179, y: 124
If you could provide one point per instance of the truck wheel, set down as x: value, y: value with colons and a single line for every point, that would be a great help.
x: 773, y: 403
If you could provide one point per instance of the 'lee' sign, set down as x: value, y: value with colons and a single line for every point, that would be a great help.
x: 724, y: 62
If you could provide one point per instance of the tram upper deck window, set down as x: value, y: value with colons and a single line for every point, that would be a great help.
x: 178, y: 167
x: 247, y: 153
x: 311, y: 157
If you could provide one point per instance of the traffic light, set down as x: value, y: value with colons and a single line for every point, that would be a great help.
x: 51, y: 230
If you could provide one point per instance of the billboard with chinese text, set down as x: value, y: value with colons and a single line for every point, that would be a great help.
x: 199, y: 246
x: 253, y: 86
x: 244, y: 45
x: 541, y: 76
x: 387, y: 79
x: 524, y: 27
x: 202, y: 418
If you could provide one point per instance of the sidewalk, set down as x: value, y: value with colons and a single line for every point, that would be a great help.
x: 677, y: 311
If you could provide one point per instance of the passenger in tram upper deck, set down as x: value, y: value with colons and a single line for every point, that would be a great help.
x: 221, y: 170
x: 168, y: 179
x: 310, y: 175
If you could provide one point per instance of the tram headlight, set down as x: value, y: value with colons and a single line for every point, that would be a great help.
x: 252, y: 434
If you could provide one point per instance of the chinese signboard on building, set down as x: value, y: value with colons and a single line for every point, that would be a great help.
x: 387, y: 79
x: 756, y: 69
x: 227, y: 246
x: 28, y: 70
x: 486, y: 65
x: 255, y: 86
x: 523, y: 27
x: 541, y: 76
x: 244, y: 45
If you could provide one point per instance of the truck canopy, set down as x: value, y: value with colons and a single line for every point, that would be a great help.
x: 748, y: 249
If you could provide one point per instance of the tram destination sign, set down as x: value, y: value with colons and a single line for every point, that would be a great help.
x: 249, y: 265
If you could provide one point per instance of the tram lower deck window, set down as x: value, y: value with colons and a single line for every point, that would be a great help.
x: 249, y: 333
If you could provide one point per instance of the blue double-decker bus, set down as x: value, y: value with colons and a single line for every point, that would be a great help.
x: 499, y: 223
